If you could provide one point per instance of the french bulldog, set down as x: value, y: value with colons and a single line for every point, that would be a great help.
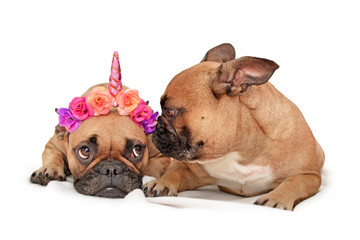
x: 107, y: 156
x: 233, y: 128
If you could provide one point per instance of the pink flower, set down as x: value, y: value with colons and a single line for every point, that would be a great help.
x: 127, y: 101
x: 141, y: 112
x: 80, y: 108
x: 100, y: 100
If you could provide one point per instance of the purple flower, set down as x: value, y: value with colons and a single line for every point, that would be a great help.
x: 149, y: 125
x: 67, y: 120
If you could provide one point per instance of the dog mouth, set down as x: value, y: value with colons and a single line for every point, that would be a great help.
x: 173, y: 145
x: 111, y: 192
x: 108, y: 179
x: 170, y: 147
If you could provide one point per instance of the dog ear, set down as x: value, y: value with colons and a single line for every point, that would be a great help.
x: 236, y: 76
x: 60, y: 132
x: 222, y: 53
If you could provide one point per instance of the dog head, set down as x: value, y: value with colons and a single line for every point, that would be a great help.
x: 200, y: 106
x: 106, y: 154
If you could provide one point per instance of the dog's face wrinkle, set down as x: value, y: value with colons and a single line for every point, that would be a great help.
x: 163, y: 101
x: 129, y: 148
x: 90, y: 143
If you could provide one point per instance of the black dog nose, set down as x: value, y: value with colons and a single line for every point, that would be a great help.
x: 111, y: 169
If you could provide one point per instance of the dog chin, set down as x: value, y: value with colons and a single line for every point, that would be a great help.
x: 111, y: 192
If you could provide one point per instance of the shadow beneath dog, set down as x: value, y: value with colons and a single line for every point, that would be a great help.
x: 205, y: 197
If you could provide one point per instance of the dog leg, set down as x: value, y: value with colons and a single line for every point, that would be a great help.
x: 156, y: 167
x: 291, y: 192
x: 54, y: 165
x: 178, y: 177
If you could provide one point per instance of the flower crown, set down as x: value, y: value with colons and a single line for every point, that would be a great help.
x: 100, y: 100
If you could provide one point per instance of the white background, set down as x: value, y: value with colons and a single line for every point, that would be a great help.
x: 52, y: 51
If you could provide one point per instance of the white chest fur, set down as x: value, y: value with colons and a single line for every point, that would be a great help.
x: 245, y: 179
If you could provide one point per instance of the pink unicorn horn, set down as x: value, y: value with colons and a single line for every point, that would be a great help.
x: 115, y: 85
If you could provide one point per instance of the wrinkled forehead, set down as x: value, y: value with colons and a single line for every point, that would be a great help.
x: 110, y: 129
x: 191, y: 84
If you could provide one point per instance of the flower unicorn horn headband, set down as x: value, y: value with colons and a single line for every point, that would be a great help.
x: 100, y: 100
x: 115, y: 84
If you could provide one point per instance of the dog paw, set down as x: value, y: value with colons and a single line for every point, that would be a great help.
x: 43, y: 175
x: 275, y: 201
x: 158, y: 188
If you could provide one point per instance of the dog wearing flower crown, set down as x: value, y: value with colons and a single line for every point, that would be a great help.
x: 103, y: 140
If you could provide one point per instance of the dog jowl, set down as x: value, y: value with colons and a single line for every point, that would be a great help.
x: 174, y: 144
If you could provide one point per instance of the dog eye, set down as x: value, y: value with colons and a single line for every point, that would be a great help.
x: 84, y: 152
x: 170, y: 112
x: 136, y: 152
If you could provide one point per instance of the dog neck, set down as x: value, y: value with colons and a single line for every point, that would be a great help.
x: 262, y: 102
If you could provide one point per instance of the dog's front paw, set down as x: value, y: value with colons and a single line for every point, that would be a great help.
x: 158, y: 188
x: 276, y: 201
x: 43, y: 175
